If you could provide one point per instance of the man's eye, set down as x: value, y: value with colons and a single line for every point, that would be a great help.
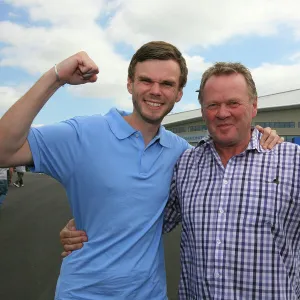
x: 145, y: 80
x: 169, y: 84
x: 211, y: 106
x: 233, y: 104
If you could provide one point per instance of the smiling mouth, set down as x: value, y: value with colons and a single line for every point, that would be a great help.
x: 224, y: 125
x: 153, y: 104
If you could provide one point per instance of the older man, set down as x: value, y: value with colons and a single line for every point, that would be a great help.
x: 239, y: 204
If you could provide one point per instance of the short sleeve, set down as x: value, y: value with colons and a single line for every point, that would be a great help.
x: 56, y: 148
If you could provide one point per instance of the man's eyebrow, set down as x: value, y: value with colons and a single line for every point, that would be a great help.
x: 166, y: 81
x: 142, y: 77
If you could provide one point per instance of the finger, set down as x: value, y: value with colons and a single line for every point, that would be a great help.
x: 87, y: 75
x: 88, y: 68
x: 273, y: 142
x: 71, y: 225
x: 90, y: 77
x: 277, y: 140
x: 70, y: 241
x: 272, y: 136
x: 260, y: 129
x: 266, y: 133
x: 65, y: 254
x: 65, y: 233
x: 73, y: 247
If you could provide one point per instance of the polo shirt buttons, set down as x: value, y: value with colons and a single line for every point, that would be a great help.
x: 136, y: 135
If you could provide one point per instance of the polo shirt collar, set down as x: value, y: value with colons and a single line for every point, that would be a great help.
x: 164, y: 137
x: 122, y: 130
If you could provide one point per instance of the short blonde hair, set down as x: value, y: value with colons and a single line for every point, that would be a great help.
x: 227, y: 68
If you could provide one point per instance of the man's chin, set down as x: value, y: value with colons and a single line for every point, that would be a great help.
x: 154, y: 120
x: 224, y: 141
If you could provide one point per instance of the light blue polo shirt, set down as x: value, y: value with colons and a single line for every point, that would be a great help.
x: 117, y: 190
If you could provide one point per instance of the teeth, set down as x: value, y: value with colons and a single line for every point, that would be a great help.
x: 154, y: 104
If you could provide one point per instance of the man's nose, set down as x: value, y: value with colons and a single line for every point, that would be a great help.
x: 155, y: 88
x: 223, y: 112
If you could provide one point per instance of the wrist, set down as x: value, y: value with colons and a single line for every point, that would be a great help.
x: 57, y: 76
x: 56, y: 73
x: 49, y: 80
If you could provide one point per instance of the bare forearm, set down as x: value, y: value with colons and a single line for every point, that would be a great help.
x: 16, y: 122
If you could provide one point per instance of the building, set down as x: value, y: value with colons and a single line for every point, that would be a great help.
x: 279, y: 111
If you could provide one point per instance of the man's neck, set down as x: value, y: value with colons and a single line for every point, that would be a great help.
x: 148, y: 130
x: 227, y: 152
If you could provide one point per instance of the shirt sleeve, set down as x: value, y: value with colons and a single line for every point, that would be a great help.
x: 172, y: 214
x: 56, y: 148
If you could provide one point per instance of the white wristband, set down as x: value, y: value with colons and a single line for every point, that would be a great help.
x: 56, y: 73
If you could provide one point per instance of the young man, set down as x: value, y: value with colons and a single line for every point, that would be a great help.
x: 124, y: 258
x: 238, y: 203
x: 121, y: 208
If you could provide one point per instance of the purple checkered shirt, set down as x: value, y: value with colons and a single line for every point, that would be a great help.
x: 240, y: 224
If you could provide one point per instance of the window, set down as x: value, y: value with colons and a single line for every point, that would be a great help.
x: 277, y: 124
x: 197, y: 128
x: 178, y: 129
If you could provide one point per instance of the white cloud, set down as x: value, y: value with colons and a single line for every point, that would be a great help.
x: 116, y: 92
x: 67, y: 12
x: 71, y: 26
x: 203, y: 23
x: 276, y: 78
x: 35, y: 49
x: 196, y: 66
x: 295, y: 57
x: 9, y: 95
x: 185, y: 107
x: 13, y: 15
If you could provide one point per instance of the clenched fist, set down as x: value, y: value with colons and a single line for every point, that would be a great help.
x: 77, y: 69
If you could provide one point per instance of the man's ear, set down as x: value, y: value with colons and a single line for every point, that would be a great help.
x: 203, y: 117
x: 129, y: 85
x: 254, y: 104
x: 179, y: 96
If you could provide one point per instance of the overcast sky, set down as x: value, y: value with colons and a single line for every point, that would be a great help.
x: 35, y: 34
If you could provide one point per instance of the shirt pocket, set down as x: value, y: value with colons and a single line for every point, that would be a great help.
x: 265, y: 198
